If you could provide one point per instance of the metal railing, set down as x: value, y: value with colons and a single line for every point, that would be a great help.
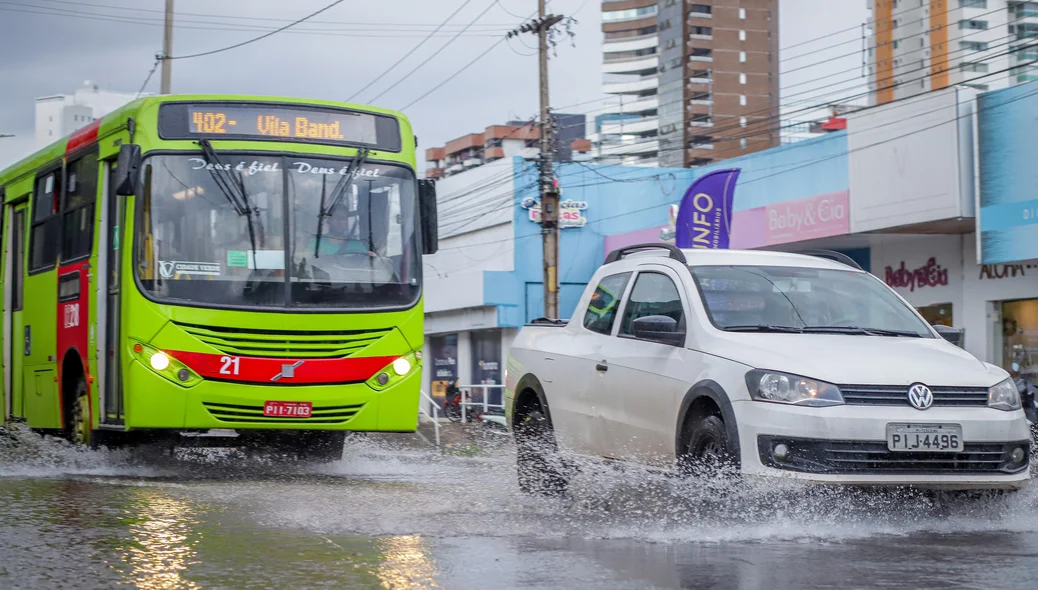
x: 466, y: 397
x: 435, y: 416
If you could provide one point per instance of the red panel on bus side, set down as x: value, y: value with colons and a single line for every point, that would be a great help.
x: 82, y: 137
x: 73, y: 320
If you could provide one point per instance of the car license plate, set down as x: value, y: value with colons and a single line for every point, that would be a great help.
x: 925, y: 437
x: 288, y: 409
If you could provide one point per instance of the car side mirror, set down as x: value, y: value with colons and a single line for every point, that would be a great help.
x: 953, y: 335
x: 127, y: 170
x: 658, y: 328
x: 427, y: 211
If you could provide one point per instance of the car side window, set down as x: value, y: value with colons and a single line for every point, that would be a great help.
x: 653, y: 294
x: 604, y: 302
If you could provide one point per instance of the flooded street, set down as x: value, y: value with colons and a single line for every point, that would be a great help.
x: 391, y: 516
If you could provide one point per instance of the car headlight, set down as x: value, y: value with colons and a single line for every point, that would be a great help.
x: 1004, y: 396
x: 771, y: 386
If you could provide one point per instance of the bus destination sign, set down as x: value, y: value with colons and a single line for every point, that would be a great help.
x: 283, y: 123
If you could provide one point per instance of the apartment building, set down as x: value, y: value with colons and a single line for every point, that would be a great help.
x: 916, y: 46
x: 61, y: 114
x: 516, y: 138
x: 695, y: 81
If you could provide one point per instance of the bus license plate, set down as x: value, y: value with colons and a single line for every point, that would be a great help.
x: 925, y: 437
x: 288, y: 409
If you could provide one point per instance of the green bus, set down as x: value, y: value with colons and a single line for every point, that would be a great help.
x: 198, y: 265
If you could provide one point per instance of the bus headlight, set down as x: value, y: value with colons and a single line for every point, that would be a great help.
x: 395, y: 371
x: 402, y: 366
x: 159, y: 361
x: 165, y: 365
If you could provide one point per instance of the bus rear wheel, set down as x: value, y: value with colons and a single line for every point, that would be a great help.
x: 80, y: 431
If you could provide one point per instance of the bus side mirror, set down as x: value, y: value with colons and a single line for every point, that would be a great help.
x: 127, y: 170
x: 427, y: 212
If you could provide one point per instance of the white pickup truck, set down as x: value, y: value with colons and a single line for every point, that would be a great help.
x: 773, y: 363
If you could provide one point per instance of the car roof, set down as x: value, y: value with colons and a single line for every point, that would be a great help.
x: 711, y: 257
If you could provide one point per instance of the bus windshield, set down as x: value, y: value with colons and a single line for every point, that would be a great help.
x: 220, y: 230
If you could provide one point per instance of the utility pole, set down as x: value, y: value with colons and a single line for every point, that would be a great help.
x: 167, y: 49
x: 549, y: 196
x: 542, y: 25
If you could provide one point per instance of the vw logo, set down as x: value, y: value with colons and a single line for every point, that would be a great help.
x: 920, y: 396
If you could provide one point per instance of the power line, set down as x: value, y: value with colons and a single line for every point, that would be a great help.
x: 155, y: 66
x: 411, y: 52
x: 793, y: 167
x: 455, y: 74
x: 242, y: 17
x: 433, y: 55
x: 253, y: 40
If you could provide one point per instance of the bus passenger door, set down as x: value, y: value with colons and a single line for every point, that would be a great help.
x: 109, y: 248
x: 14, y: 352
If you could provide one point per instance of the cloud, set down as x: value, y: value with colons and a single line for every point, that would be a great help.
x: 328, y: 59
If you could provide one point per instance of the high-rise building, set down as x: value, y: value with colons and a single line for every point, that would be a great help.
x: 695, y: 80
x: 61, y: 114
x: 922, y: 45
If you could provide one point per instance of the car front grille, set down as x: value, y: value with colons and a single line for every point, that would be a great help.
x: 836, y: 457
x: 896, y: 395
x: 295, y: 344
x: 254, y: 414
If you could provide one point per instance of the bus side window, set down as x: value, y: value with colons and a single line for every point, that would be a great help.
x: 77, y: 236
x: 46, y: 225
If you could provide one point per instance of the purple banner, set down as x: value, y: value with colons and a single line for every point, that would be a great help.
x: 705, y: 216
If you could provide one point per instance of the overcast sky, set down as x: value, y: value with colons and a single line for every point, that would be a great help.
x: 50, y: 47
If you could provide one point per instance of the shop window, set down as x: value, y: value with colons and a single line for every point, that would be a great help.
x: 443, y: 356
x: 939, y: 314
x: 1020, y: 337
x: 486, y: 364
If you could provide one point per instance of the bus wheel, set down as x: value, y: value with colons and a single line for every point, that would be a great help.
x: 81, y: 432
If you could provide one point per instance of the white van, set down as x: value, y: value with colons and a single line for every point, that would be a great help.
x: 779, y: 364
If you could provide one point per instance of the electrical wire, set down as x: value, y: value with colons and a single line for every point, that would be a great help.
x: 433, y: 55
x: 253, y: 40
x: 808, y: 163
x: 409, y: 53
x: 155, y: 66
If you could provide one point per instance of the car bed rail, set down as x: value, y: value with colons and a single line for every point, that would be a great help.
x: 673, y: 252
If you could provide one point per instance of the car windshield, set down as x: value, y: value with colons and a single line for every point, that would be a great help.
x: 216, y: 232
x: 795, y: 299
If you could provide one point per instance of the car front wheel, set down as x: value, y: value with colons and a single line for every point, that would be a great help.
x: 537, y: 466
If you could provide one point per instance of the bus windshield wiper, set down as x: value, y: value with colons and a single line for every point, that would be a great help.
x: 763, y: 328
x: 337, y: 195
x: 859, y: 330
x: 234, y: 191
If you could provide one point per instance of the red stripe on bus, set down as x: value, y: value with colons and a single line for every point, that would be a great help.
x: 278, y: 371
x: 82, y: 137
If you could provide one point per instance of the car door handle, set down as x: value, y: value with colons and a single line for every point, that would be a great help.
x: 602, y: 367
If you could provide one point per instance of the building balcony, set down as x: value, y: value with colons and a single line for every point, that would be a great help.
x: 472, y: 162
x: 631, y: 87
x: 632, y: 107
x: 631, y: 126
x: 632, y: 147
x: 631, y: 14
x: 631, y: 44
x: 638, y: 65
x: 708, y: 59
x: 701, y: 124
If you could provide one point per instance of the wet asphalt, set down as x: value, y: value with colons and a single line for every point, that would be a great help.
x: 396, y: 516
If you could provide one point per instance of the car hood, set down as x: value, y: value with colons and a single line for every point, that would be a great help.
x: 860, y: 360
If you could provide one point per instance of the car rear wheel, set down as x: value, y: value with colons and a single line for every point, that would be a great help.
x: 537, y: 465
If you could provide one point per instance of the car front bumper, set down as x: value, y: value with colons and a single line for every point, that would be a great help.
x: 847, y: 445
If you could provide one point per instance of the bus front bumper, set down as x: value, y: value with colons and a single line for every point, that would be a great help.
x: 153, y: 402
